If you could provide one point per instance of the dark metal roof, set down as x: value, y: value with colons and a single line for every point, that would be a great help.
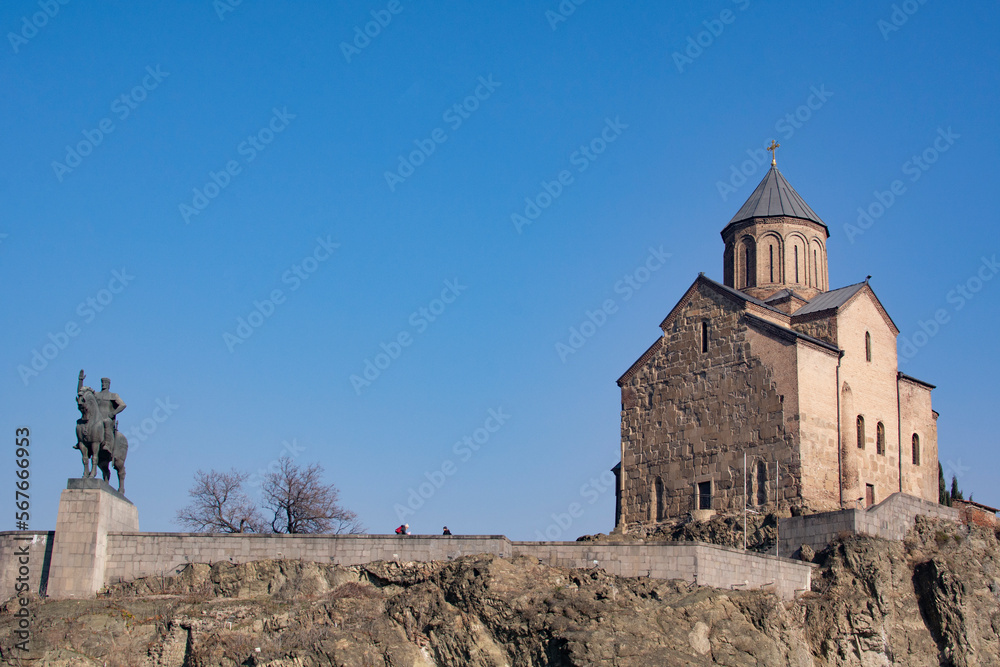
x: 775, y: 197
x: 830, y: 300
x: 777, y: 296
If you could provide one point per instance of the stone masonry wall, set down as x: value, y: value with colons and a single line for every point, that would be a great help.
x: 39, y: 546
x: 819, y: 325
x: 705, y: 564
x: 133, y: 555
x: 688, y: 416
x: 88, y: 511
x: 891, y: 519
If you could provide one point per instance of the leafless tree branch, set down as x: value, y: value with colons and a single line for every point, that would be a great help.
x: 300, y: 502
x: 219, y: 504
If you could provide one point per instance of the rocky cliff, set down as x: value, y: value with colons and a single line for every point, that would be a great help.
x: 933, y: 599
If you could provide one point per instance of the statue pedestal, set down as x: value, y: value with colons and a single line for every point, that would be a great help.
x: 89, y: 509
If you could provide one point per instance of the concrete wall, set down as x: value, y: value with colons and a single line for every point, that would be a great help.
x: 705, y: 564
x: 891, y: 519
x: 133, y: 555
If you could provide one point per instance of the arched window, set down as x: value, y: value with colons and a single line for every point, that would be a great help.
x: 796, y: 248
x: 658, y: 490
x: 704, y: 337
x: 653, y: 509
x: 749, y: 262
x: 916, y: 449
x: 729, y: 264
x: 868, y: 346
x: 880, y: 438
x: 761, y: 482
x: 815, y: 268
x: 771, y: 264
x: 861, y: 432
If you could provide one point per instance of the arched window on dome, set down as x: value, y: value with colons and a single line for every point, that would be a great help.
x: 729, y: 266
x: 771, y: 261
x: 749, y: 263
x: 796, y: 249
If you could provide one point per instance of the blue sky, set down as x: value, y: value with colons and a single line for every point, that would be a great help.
x: 169, y: 170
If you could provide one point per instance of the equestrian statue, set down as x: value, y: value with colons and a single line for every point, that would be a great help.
x: 97, y: 436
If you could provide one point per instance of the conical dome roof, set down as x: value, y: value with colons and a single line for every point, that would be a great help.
x: 775, y: 197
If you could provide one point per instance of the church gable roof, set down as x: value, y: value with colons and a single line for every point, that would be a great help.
x: 836, y: 300
x: 725, y: 290
x: 775, y: 197
x: 830, y: 300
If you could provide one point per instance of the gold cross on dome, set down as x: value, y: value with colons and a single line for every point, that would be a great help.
x: 774, y: 152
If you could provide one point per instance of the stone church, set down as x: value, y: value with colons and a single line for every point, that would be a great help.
x: 774, y: 365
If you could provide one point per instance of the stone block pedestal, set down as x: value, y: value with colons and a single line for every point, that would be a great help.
x: 89, y: 509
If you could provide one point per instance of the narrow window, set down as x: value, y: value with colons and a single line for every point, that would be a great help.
x: 704, y: 495
x: 653, y: 509
x: 704, y: 337
x: 861, y: 432
x: 796, y: 264
x: 659, y: 499
x: 746, y: 263
x: 880, y: 439
x: 815, y: 269
x: 772, y: 263
x: 916, y: 449
x: 868, y: 346
x: 761, y: 483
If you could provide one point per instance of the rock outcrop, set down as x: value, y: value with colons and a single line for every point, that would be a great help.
x: 933, y: 599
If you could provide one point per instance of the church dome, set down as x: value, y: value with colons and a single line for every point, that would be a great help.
x: 776, y: 242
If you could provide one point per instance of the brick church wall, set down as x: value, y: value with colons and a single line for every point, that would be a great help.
x: 818, y: 445
x: 688, y: 416
x: 916, y: 416
x: 873, y: 389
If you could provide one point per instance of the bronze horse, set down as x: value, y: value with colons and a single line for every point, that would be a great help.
x: 90, y: 440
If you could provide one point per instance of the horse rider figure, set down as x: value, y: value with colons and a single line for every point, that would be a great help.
x: 113, y: 446
x: 109, y: 404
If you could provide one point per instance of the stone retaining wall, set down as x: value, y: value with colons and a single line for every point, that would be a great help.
x: 699, y: 562
x: 133, y: 555
x: 39, y: 546
x: 891, y: 519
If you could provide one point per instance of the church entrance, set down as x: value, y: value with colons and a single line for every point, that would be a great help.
x: 869, y: 495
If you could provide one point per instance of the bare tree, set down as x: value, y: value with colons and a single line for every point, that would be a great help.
x: 300, y: 502
x: 220, y: 505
